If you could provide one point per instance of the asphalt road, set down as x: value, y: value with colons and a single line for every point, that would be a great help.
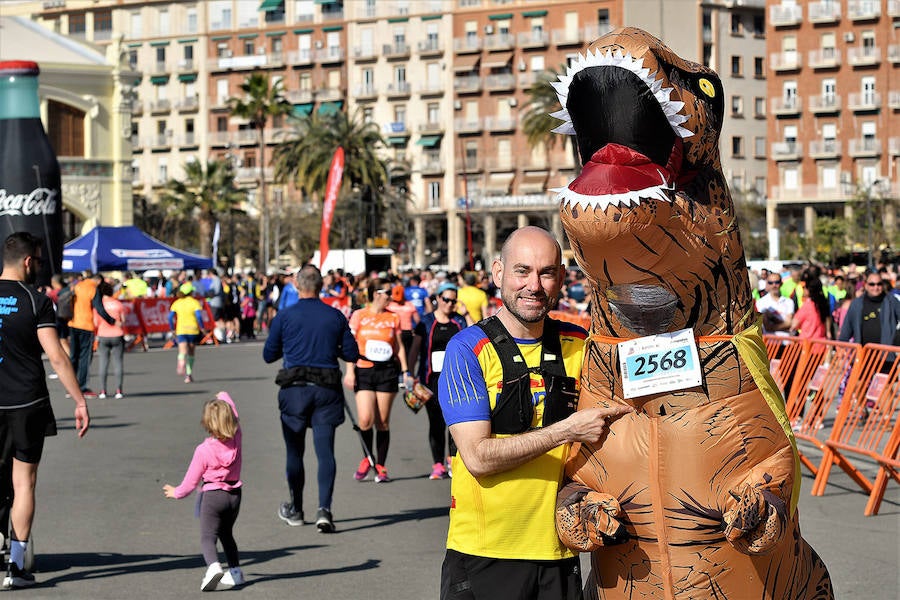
x: 104, y: 530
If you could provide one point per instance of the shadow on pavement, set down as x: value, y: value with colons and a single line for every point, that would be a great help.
x: 390, y: 519
x: 81, y: 566
x: 368, y: 565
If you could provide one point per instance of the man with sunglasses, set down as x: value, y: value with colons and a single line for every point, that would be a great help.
x: 27, y: 328
x: 502, y: 540
x: 872, y: 317
x: 776, y: 310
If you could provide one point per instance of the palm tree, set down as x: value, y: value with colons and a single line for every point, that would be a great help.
x: 306, y: 157
x: 537, y: 124
x: 207, y: 191
x: 260, y: 102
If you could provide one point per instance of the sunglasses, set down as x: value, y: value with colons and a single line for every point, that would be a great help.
x: 774, y: 282
x: 385, y: 292
x: 875, y: 284
x: 448, y: 300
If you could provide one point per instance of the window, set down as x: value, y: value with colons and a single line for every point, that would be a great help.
x: 434, y: 112
x: 368, y: 114
x: 789, y: 94
x: 162, y: 171
x: 537, y: 63
x: 759, y: 147
x: 133, y: 59
x: 737, y: 106
x: 471, y: 154
x: 161, y: 55
x: 737, y: 183
x: 221, y: 92
x: 368, y: 80
x: 759, y: 67
x: 759, y: 184
x: 737, y: 27
x: 277, y: 46
x: 828, y: 45
x: 65, y: 128
x: 305, y: 82
x: 161, y: 127
x: 249, y: 48
x: 188, y: 53
x: 868, y: 91
x: 829, y: 89
x: 76, y: 24
x: 220, y: 16
x: 829, y: 135
x: 221, y: 123
x: 399, y: 37
x: 737, y: 66
x: 400, y: 76
x: 434, y: 194
x: 305, y: 10
x: 759, y: 107
x: 192, y: 20
x: 163, y: 22
x: 868, y: 43
x: 759, y: 25
x: 868, y: 135
x: 737, y: 146
x: 829, y: 179
x: 136, y: 25
x: 790, y: 178
x: 102, y: 20
x: 400, y: 114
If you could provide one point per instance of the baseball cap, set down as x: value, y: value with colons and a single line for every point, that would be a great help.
x: 397, y: 293
x: 446, y: 286
x: 186, y: 288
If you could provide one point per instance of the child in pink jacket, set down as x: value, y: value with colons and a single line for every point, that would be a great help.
x: 217, y: 463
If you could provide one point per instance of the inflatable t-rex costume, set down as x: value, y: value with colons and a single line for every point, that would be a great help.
x: 694, y: 494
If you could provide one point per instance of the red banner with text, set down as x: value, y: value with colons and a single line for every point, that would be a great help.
x: 335, y: 174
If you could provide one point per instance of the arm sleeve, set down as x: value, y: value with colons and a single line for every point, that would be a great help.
x: 199, y: 316
x: 462, y: 391
x: 172, y: 320
x: 193, y: 475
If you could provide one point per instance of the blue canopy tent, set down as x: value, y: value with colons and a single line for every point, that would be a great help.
x: 125, y: 249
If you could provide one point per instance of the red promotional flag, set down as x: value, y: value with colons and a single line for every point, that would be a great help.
x: 335, y: 173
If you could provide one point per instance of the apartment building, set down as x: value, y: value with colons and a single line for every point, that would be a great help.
x: 834, y: 90
x: 446, y: 81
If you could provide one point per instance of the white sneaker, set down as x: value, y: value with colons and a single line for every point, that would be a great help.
x: 232, y: 577
x: 101, y: 395
x: 213, y: 575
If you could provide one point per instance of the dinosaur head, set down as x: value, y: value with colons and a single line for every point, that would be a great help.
x: 651, y: 198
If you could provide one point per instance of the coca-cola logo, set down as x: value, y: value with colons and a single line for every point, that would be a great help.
x: 40, y: 201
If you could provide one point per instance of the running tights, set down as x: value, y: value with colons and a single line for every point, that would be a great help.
x: 218, y: 511
x: 295, y: 445
x: 437, y: 432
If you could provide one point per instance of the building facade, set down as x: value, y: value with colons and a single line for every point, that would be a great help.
x: 446, y: 81
x: 834, y: 93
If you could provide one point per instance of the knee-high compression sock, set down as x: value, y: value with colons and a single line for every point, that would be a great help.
x: 190, y: 365
x: 383, y: 442
x: 180, y: 360
x: 367, y: 435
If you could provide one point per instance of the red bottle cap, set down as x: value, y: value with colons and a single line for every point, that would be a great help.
x: 19, y: 67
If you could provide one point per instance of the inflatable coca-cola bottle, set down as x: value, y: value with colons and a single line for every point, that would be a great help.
x: 30, y: 197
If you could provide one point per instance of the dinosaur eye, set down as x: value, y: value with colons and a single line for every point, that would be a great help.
x: 707, y: 87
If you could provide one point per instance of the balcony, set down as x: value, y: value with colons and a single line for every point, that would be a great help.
x: 159, y: 68
x: 363, y: 53
x: 893, y: 8
x: 893, y: 53
x: 863, y: 10
x: 500, y: 41
x: 432, y: 166
x: 866, y: 147
x: 465, y: 45
x: 245, y: 137
x: 785, y: 61
x: 499, y: 124
x: 786, y: 107
x: 219, y: 138
x: 829, y: 148
x: 303, y: 56
x: 136, y: 145
x: 396, y: 129
x: 187, y: 65
x: 329, y: 94
x: 504, y: 81
x: 894, y: 100
x: 366, y: 92
x: 299, y: 96
x: 252, y: 173
x: 536, y: 38
x: 471, y: 165
x: 592, y: 32
x: 567, y: 37
x: 430, y: 88
x: 102, y: 35
x: 785, y: 15
x: 807, y: 193
x: 864, y: 56
x: 187, y: 140
x: 864, y: 102
x: 160, y: 141
x: 823, y: 105
x: 496, y: 163
x: 824, y: 12
x: 467, y: 125
x: 430, y: 47
x: 189, y: 104
x: 162, y: 105
x: 399, y: 89
x: 825, y: 58
x: 137, y: 108
x: 396, y: 51
x: 467, y: 85
x: 431, y: 128
x: 238, y: 63
x: 332, y: 54
x: 787, y: 150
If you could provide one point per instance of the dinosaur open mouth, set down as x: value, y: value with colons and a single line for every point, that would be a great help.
x: 627, y: 127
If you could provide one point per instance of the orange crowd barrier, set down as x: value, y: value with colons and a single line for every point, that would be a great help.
x: 783, y: 352
x: 822, y: 369
x: 866, y: 426
x: 579, y: 319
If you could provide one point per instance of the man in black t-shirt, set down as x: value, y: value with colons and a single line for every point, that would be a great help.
x: 873, y: 317
x: 27, y: 327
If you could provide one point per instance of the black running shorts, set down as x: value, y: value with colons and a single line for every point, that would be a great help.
x: 24, y: 430
x: 383, y: 377
x: 466, y: 577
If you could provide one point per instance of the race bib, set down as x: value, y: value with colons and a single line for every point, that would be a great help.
x: 437, y: 361
x: 659, y: 363
x: 378, y: 351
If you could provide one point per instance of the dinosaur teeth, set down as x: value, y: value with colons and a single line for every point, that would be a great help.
x: 568, y: 197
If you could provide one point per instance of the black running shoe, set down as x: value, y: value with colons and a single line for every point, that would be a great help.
x: 17, y: 578
x: 324, y: 521
x: 291, y: 516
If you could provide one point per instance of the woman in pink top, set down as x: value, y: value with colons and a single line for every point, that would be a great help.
x: 217, y: 464
x: 811, y: 319
x: 409, y: 316
x: 110, y: 339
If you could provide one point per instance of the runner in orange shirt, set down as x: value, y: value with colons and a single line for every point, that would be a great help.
x: 374, y: 377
